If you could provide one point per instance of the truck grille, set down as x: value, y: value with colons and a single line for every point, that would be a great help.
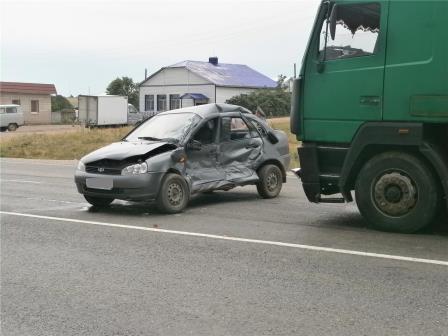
x: 106, y: 167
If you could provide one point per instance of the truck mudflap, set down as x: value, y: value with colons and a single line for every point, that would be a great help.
x: 309, y: 173
x: 312, y: 190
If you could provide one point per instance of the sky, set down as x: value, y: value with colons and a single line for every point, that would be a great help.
x: 81, y: 46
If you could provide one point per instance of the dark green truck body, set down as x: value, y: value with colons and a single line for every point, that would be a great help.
x: 374, y: 80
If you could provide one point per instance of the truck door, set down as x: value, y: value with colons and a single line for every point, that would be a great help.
x: 344, y: 71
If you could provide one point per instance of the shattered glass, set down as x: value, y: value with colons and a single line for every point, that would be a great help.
x: 168, y: 127
x: 357, y: 32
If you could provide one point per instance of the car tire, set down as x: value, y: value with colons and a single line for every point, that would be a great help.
x: 99, y: 201
x: 12, y: 127
x: 173, y: 194
x: 397, y: 192
x: 270, y: 183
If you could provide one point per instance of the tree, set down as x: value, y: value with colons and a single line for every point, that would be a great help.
x: 274, y: 102
x: 124, y: 86
x: 58, y: 103
x: 281, y: 82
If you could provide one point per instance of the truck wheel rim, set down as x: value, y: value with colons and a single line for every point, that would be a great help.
x: 272, y: 181
x: 395, y: 194
x: 175, y: 194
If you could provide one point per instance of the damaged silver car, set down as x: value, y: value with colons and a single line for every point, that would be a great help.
x: 182, y: 152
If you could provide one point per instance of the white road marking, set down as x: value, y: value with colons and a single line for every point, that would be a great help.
x: 244, y: 240
x: 20, y: 181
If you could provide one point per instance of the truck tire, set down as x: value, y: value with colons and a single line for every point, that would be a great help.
x: 173, y: 194
x: 270, y: 183
x: 397, y: 192
x: 12, y: 127
x: 98, y: 201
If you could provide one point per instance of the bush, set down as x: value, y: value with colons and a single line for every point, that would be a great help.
x: 59, y: 103
x: 274, y: 102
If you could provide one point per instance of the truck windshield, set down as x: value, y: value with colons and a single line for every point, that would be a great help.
x: 173, y: 127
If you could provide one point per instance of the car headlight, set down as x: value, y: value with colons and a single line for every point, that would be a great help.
x: 138, y: 168
x: 81, y: 166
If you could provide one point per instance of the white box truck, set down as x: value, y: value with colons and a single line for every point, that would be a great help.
x: 97, y: 111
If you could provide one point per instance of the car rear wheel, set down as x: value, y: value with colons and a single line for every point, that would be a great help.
x: 270, y: 183
x: 397, y: 192
x: 12, y: 127
x: 98, y: 201
x: 173, y: 195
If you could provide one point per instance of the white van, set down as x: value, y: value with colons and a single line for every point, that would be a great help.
x: 11, y: 117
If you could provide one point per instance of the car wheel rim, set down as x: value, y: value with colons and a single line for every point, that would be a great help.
x: 272, y: 181
x: 175, y: 194
x: 395, y: 194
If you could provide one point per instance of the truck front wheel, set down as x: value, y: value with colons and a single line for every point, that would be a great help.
x: 397, y: 192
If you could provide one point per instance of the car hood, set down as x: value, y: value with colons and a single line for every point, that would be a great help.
x: 123, y: 150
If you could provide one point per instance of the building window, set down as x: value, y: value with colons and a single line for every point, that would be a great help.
x: 161, y: 103
x: 149, y: 102
x: 34, y: 106
x: 174, y: 101
x: 16, y: 101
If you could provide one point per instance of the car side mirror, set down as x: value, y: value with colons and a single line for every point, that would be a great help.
x: 272, y: 137
x: 194, y: 145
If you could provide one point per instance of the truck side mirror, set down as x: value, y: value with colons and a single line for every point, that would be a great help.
x: 333, y: 21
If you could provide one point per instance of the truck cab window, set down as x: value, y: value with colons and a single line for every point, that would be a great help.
x: 356, y: 34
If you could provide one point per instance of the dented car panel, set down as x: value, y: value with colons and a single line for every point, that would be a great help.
x: 212, y: 147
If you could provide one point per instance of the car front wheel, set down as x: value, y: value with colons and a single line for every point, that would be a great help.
x: 173, y: 195
x: 270, y: 183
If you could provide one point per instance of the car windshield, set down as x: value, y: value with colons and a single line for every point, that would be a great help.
x: 173, y: 127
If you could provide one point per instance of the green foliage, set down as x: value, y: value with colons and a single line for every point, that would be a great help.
x: 274, y: 102
x: 59, y: 103
x: 124, y: 86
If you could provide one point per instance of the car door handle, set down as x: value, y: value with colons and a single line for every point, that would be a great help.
x: 252, y: 145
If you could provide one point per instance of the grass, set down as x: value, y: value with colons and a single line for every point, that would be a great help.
x: 74, y: 145
x: 60, y: 146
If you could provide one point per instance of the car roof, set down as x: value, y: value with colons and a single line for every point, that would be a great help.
x: 208, y: 110
x: 9, y: 105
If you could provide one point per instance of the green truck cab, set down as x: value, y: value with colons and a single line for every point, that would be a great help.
x: 371, y: 109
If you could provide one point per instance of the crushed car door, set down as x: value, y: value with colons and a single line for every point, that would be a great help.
x: 202, y: 160
x: 239, y: 148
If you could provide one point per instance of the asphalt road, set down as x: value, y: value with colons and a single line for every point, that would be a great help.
x: 231, y: 264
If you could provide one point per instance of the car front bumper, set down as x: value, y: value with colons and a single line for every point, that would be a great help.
x: 129, y: 187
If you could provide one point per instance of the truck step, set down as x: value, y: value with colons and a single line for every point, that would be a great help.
x: 332, y: 200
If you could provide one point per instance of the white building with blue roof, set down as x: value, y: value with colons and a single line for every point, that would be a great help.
x: 190, y: 83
